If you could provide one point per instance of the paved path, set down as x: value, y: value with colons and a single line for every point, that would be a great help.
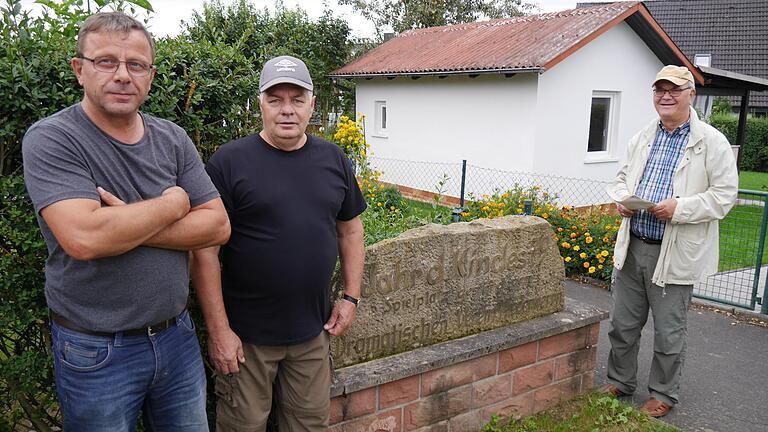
x: 725, y: 378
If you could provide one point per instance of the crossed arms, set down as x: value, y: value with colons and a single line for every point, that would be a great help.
x: 87, y: 230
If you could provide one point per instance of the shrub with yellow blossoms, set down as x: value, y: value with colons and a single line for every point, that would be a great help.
x: 350, y: 136
x: 585, y: 237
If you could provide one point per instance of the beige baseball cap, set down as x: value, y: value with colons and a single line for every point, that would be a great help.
x: 677, y: 75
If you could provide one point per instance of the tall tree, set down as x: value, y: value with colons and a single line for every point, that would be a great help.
x: 323, y: 43
x: 402, y: 15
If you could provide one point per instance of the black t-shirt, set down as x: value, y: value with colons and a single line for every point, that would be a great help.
x: 283, y: 207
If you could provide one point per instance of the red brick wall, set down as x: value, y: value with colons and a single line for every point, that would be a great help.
x: 513, y: 383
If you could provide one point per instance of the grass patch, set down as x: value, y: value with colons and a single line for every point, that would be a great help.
x: 429, y: 211
x: 588, y: 413
x: 739, y: 237
x: 752, y: 180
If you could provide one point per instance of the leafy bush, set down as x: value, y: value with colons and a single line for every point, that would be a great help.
x: 323, y: 44
x: 754, y: 152
x: 209, y: 89
x: 37, y: 80
x: 27, y: 393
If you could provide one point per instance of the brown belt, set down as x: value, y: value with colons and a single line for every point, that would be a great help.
x: 646, y: 239
x: 148, y: 331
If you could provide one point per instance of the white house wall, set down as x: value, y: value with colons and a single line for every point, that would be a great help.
x: 617, y: 61
x: 487, y: 120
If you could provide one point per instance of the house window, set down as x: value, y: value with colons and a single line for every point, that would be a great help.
x: 702, y: 60
x: 602, y: 121
x: 381, y: 118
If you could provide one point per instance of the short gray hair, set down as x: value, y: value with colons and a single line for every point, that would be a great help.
x: 117, y: 22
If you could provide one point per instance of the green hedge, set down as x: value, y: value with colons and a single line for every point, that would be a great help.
x: 206, y: 82
x: 754, y: 151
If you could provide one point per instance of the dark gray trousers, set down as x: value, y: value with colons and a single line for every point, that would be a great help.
x: 634, y: 295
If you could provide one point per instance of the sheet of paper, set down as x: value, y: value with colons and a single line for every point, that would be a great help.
x: 634, y: 202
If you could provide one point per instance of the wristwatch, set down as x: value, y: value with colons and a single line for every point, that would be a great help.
x: 349, y: 298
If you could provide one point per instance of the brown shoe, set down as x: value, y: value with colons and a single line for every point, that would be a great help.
x: 655, y: 408
x: 612, y: 390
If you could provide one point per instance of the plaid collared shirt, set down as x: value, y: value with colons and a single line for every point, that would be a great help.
x: 656, y: 183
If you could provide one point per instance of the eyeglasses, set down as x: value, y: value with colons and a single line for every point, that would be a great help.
x: 111, y: 65
x: 674, y: 92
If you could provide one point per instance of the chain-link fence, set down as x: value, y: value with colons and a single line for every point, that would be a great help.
x: 446, y: 178
x: 741, y: 276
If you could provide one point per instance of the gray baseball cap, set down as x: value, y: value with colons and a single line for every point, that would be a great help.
x: 285, y: 69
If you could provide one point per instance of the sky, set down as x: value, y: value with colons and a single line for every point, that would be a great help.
x: 166, y: 21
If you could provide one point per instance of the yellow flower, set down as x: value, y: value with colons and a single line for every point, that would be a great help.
x: 545, y: 215
x: 604, y: 253
x: 591, y: 270
x: 519, y: 211
x: 567, y: 259
x: 506, y: 195
x: 588, y: 240
x: 391, y: 207
x: 606, y: 240
x: 582, y: 255
x: 379, y: 204
x: 576, y: 248
x: 574, y: 235
x: 586, y: 264
x: 600, y: 267
x: 485, y: 208
x: 559, y: 229
x: 565, y: 245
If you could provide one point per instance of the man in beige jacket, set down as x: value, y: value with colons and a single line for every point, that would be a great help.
x: 686, y: 168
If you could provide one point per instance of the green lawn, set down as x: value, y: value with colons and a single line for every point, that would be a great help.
x: 739, y: 237
x: 757, y: 181
x: 740, y: 230
x: 589, y: 413
x: 428, y: 211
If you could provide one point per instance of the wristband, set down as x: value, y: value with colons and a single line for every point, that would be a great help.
x: 350, y: 299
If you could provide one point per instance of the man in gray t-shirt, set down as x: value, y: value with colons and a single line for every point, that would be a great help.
x: 121, y: 197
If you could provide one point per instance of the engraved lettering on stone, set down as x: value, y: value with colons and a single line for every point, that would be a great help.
x: 437, y: 283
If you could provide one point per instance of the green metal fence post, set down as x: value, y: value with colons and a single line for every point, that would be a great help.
x: 759, y: 264
x: 457, y: 211
x: 764, y: 300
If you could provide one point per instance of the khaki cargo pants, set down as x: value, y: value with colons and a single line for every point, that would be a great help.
x: 302, y: 377
x: 634, y: 295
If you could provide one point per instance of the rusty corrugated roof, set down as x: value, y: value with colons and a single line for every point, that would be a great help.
x: 533, y: 42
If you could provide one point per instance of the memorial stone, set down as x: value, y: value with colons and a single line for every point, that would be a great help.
x: 442, y: 282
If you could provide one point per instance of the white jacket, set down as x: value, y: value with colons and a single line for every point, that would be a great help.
x: 705, y: 185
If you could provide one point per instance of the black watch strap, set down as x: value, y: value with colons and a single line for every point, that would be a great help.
x: 350, y: 299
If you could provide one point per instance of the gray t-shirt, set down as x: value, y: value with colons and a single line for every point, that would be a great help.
x: 66, y: 156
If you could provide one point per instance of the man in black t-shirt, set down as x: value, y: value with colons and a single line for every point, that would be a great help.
x: 294, y: 206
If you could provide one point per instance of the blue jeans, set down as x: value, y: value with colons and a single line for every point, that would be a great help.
x: 104, y: 381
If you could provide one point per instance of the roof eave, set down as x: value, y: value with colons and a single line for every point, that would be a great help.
x: 493, y: 71
x: 728, y: 79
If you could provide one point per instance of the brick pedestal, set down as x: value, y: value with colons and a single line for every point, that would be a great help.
x: 456, y: 386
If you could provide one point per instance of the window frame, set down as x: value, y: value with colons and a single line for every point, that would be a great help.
x: 610, y: 131
x: 380, y: 118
